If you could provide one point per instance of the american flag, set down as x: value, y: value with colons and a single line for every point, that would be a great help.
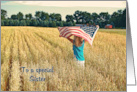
x: 88, y: 33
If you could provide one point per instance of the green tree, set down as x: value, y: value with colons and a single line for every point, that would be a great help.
x: 44, y: 16
x: 46, y: 24
x: 50, y: 23
x: 57, y: 23
x: 115, y: 14
x: 28, y: 22
x: 69, y: 18
x: 11, y: 23
x: 14, y: 17
x: 65, y: 23
x: 119, y: 18
x: 30, y: 16
x: 20, y: 16
x: 53, y: 24
x: 16, y: 22
x: 34, y: 22
x: 2, y: 22
x: 104, y: 16
x: 74, y: 24
x: 41, y: 23
x: 124, y: 18
x: 27, y: 16
x: 77, y: 16
x: 61, y: 24
x: 22, y: 23
x: 52, y: 17
x: 6, y: 22
x: 3, y: 14
x: 69, y: 24
x: 55, y: 17
x: 58, y: 17
x: 37, y: 14
x: 85, y: 17
x: 120, y: 12
x: 94, y: 17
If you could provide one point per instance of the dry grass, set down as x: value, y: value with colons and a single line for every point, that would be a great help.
x: 38, y: 47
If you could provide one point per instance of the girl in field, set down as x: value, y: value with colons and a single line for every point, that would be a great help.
x: 78, y: 48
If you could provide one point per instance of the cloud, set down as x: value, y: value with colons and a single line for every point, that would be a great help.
x: 116, y: 4
x: 7, y: 3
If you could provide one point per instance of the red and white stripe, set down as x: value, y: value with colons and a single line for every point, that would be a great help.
x: 69, y: 31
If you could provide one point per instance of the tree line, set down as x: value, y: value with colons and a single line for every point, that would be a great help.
x: 41, y: 18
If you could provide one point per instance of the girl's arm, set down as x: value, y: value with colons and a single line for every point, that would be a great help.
x: 70, y: 40
x: 84, y: 40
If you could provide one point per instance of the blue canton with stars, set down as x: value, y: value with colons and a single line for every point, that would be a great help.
x: 89, y: 30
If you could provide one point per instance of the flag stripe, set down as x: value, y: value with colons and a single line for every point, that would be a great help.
x: 66, y: 29
x: 77, y: 30
x: 76, y: 34
x: 88, y: 33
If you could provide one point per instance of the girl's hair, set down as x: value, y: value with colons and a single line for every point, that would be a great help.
x: 77, y: 41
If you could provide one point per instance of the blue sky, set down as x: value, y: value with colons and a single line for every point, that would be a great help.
x: 62, y: 7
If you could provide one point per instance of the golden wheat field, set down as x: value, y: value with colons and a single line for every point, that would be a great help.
x: 41, y: 47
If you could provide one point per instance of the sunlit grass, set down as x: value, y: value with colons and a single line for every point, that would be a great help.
x: 39, y: 47
x: 114, y: 31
